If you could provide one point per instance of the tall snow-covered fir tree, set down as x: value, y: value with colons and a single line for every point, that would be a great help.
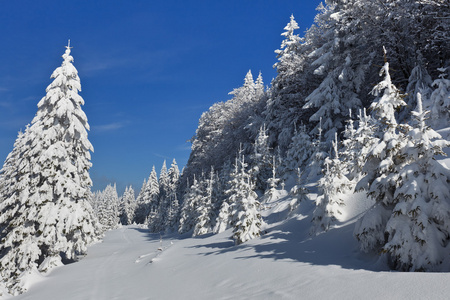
x: 282, y: 108
x: 440, y: 97
x: 418, y: 231
x: 205, y: 215
x: 245, y: 217
x: 383, y: 163
x: 148, y: 201
x: 127, y: 206
x: 164, y: 201
x: 332, y: 186
x: 45, y: 218
x: 108, y: 212
x: 261, y: 159
x: 191, y: 200
x: 173, y: 198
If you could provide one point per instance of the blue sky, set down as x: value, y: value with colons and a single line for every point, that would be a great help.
x: 148, y: 69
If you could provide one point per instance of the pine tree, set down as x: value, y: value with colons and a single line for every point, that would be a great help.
x: 318, y: 155
x: 141, y: 210
x: 127, y: 206
x: 174, y: 207
x: 283, y: 108
x: 357, y: 144
x: 299, y: 150
x: 383, y: 163
x: 418, y: 230
x: 108, y: 207
x: 440, y: 98
x: 190, y: 202
x: 332, y: 186
x: 245, y: 217
x: 205, y: 215
x: 164, y: 201
x: 261, y: 159
x: 147, y: 201
x: 418, y: 81
x: 45, y: 218
x: 222, y: 207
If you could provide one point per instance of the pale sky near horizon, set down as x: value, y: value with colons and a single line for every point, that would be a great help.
x: 148, y: 69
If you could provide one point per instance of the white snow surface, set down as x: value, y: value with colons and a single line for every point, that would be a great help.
x: 285, y: 263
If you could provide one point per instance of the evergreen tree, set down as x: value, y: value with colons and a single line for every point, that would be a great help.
x: 45, y: 218
x: 152, y: 202
x: 418, y: 81
x: 332, y: 186
x: 147, y: 201
x: 418, y: 231
x: 188, y: 213
x: 318, y: 155
x: 222, y: 208
x: 127, y: 206
x: 164, y: 201
x: 299, y: 150
x: 261, y: 159
x: 384, y: 161
x: 245, y: 217
x: 174, y: 207
x: 141, y: 210
x: 283, y: 108
x: 108, y: 207
x: 205, y: 215
x: 357, y: 144
x: 440, y: 98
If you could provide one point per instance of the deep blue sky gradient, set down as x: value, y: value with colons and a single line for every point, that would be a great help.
x: 148, y: 69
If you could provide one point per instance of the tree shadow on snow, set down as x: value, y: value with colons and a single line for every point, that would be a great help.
x: 291, y: 241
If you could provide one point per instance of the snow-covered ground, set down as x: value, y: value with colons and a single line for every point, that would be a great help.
x: 285, y: 263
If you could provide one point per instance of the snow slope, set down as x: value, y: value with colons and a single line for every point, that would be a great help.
x: 286, y: 263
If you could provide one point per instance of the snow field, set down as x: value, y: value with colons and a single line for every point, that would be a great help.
x: 285, y: 263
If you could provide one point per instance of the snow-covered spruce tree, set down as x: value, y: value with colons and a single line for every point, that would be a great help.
x: 440, y: 98
x: 205, y: 216
x: 139, y: 214
x: 418, y: 231
x: 108, y: 207
x: 127, y: 206
x: 318, y: 155
x: 261, y: 159
x: 340, y: 71
x: 418, y: 81
x: 272, y: 182
x: 383, y: 163
x: 299, y: 150
x: 332, y: 186
x: 284, y: 105
x: 222, y: 207
x: 172, y: 196
x: 45, y: 219
x: 357, y: 144
x: 164, y: 202
x: 245, y: 217
x: 190, y: 202
x: 147, y: 200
